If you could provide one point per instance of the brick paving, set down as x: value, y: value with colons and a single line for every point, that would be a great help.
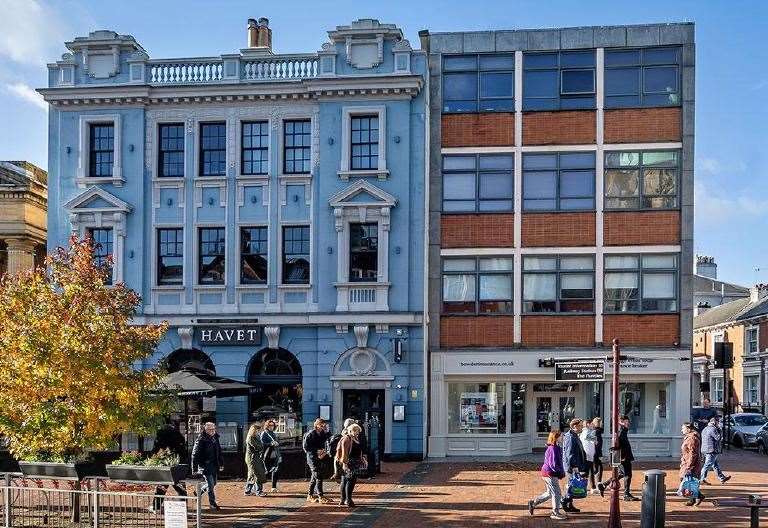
x: 478, y: 493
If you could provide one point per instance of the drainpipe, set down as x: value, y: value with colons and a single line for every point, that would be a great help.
x: 424, y: 36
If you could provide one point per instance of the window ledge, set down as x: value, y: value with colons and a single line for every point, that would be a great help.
x: 362, y: 284
x: 117, y: 181
x: 294, y: 286
x: 168, y: 287
x: 168, y: 179
x: 549, y: 314
x: 210, y: 287
x: 299, y: 176
x: 211, y: 178
x: 252, y: 177
x: 380, y: 174
x: 252, y: 287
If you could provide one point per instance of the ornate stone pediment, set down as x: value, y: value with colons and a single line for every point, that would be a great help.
x: 362, y: 362
x: 97, y: 199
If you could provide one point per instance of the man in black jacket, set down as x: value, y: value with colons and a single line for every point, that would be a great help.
x: 207, y: 459
x: 315, y: 446
x: 574, y: 461
x: 625, y: 457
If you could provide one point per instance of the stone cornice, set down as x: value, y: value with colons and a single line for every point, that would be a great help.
x: 369, y: 86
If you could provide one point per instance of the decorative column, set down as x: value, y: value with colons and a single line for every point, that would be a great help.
x: 21, y: 254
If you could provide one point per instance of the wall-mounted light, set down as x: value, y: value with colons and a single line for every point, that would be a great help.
x: 254, y: 199
x: 69, y: 149
x: 330, y: 141
x: 330, y: 250
x: 397, y: 139
x: 397, y: 250
x: 170, y: 202
x: 295, y: 197
x: 130, y: 254
x: 130, y: 147
x: 211, y: 201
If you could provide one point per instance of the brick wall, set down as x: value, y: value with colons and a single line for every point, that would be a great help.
x: 558, y: 330
x: 477, y: 230
x: 641, y: 227
x: 636, y: 125
x: 485, y: 331
x: 649, y: 330
x: 558, y: 229
x: 575, y: 127
x: 478, y: 130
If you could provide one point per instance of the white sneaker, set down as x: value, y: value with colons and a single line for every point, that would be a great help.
x: 558, y: 516
x: 595, y: 491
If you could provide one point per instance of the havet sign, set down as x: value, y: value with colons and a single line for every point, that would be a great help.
x: 228, y: 335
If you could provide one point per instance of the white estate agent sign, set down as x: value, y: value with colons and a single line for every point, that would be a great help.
x: 175, y: 513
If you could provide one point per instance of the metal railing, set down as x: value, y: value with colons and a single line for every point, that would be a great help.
x: 63, y: 504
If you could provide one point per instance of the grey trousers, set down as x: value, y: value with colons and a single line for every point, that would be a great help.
x: 552, y: 492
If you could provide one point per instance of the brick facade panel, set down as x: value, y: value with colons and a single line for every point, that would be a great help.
x: 477, y: 230
x: 482, y: 331
x: 628, y: 228
x: 574, y: 127
x: 558, y: 229
x: 643, y: 125
x: 478, y: 130
x: 642, y: 330
x: 558, y: 330
x: 762, y: 336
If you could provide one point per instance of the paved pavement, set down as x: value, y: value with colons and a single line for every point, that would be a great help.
x: 479, y: 493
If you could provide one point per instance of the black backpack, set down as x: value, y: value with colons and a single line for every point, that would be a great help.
x: 333, y: 444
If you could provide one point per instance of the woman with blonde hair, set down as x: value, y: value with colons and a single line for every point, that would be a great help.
x: 272, y: 456
x: 257, y: 473
x: 349, y: 454
x: 551, y: 472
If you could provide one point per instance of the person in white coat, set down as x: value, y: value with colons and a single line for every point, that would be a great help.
x: 588, y: 440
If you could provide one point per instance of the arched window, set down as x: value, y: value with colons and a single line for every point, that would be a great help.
x: 189, y: 358
x: 276, y: 375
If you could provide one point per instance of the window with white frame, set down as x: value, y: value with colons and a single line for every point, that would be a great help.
x: 477, y: 285
x: 363, y: 251
x: 559, y: 284
x: 478, y: 183
x: 99, y: 157
x: 717, y: 390
x: 641, y: 180
x: 103, y: 249
x: 751, y: 389
x: 640, y: 283
x: 750, y: 340
x: 363, y: 141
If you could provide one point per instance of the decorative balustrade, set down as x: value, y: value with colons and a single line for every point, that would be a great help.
x: 193, y: 71
x: 356, y: 297
x: 280, y: 68
x: 212, y: 70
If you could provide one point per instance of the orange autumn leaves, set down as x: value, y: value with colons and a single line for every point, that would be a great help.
x: 68, y: 357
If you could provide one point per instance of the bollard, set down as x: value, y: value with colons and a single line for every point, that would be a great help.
x: 652, y: 510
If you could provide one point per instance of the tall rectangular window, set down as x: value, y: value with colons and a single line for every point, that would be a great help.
x: 559, y: 284
x: 559, y: 80
x: 102, y: 149
x: 751, y: 389
x: 254, y: 250
x: 255, y: 148
x: 296, y: 255
x: 640, y: 283
x: 102, y: 239
x: 171, y: 152
x: 559, y: 182
x: 479, y: 83
x: 170, y: 256
x: 480, y: 285
x: 364, y: 142
x: 717, y: 390
x: 363, y: 252
x: 750, y: 340
x: 642, y: 77
x: 213, y: 149
x: 642, y: 180
x: 297, y: 146
x: 478, y: 183
x: 211, y: 265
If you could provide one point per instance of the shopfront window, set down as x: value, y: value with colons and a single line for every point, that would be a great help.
x: 648, y: 407
x: 477, y: 408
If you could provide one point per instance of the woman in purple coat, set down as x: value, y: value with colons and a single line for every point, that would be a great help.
x: 551, y: 473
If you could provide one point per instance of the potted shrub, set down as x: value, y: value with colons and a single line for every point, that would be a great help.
x: 161, y: 468
x: 67, y: 367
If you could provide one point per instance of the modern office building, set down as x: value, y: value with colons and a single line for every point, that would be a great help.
x: 270, y: 207
x: 561, y: 207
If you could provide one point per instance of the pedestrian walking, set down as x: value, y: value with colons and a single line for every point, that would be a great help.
x: 272, y: 455
x: 574, y: 461
x: 314, y: 445
x: 207, y: 459
x: 353, y: 463
x: 588, y: 439
x: 597, y: 461
x: 625, y: 457
x: 254, y: 461
x: 333, y: 444
x: 690, y: 460
x: 169, y: 439
x: 551, y: 473
x: 711, y: 447
x: 702, y: 415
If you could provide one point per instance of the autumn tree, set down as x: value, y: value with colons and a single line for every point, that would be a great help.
x: 68, y: 351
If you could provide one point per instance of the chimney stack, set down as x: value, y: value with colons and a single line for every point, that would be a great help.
x: 706, y: 266
x: 758, y: 292
x: 259, y: 34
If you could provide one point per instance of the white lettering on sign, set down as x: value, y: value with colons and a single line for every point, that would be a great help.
x: 636, y: 363
x: 229, y: 335
x: 486, y: 363
x: 206, y: 335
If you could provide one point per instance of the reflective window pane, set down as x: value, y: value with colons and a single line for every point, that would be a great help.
x: 458, y: 162
x: 496, y: 264
x: 540, y: 60
x: 497, y: 62
x: 577, y: 263
x: 658, y: 285
x: 539, y: 161
x: 661, y: 56
x: 621, y: 262
x: 463, y: 62
x: 660, y: 159
x: 577, y: 58
x: 622, y: 159
x: 577, y: 184
x: 622, y: 81
x: 660, y: 182
x: 622, y: 57
x: 495, y: 185
x: 576, y: 286
x: 540, y: 84
x: 660, y: 79
x: 577, y: 160
x: 539, y: 263
x: 539, y: 185
x: 459, y: 86
x: 622, y: 182
x: 659, y: 261
x: 458, y: 288
x: 497, y: 84
x: 497, y: 162
x: 459, y: 186
x: 540, y: 286
x: 495, y: 287
x: 578, y: 81
x: 459, y: 264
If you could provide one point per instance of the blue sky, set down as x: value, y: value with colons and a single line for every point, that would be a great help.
x: 732, y: 78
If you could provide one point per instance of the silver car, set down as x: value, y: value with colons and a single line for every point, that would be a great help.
x: 744, y: 428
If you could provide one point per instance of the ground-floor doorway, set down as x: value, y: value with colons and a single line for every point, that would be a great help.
x: 363, y: 405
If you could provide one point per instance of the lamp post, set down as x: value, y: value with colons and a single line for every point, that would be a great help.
x: 614, y: 517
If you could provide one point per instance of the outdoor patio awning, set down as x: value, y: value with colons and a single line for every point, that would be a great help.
x: 200, y: 383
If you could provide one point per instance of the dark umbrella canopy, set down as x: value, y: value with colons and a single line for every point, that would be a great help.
x: 200, y: 383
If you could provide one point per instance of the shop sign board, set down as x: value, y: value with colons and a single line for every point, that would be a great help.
x: 229, y: 335
x: 175, y: 513
x: 580, y: 370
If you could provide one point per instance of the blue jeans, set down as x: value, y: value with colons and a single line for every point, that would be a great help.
x: 711, y: 461
x: 211, y: 475
x: 315, y: 482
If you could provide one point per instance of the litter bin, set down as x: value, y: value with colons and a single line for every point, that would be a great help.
x: 652, y: 510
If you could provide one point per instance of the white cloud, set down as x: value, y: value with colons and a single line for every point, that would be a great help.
x: 714, y: 206
x: 27, y: 93
x: 30, y: 32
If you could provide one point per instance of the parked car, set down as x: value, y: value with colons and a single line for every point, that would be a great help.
x: 762, y: 440
x: 744, y: 428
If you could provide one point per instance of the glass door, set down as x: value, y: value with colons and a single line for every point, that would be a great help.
x: 553, y: 412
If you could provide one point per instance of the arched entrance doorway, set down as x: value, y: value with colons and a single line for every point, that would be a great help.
x: 189, y: 358
x: 275, y: 374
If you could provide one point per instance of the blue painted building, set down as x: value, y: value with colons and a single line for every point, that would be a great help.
x: 270, y: 207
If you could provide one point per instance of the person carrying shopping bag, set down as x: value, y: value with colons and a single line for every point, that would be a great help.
x: 574, y: 462
x: 551, y: 473
x: 690, y: 464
